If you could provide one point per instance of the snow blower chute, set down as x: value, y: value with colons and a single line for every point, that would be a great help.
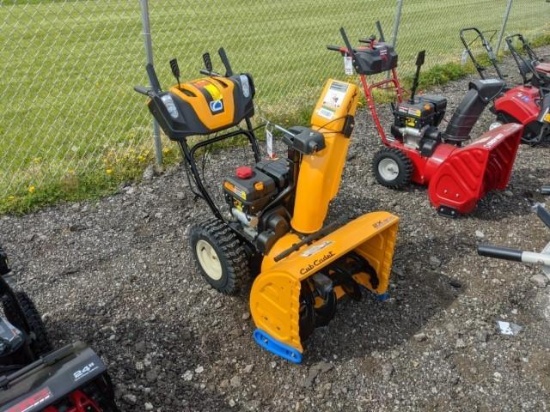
x: 273, y: 227
x: 457, y: 174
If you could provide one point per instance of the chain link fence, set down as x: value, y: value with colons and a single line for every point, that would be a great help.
x: 71, y: 123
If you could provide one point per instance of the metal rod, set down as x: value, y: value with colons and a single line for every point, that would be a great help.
x: 396, y: 23
x: 149, y: 52
x: 503, y: 28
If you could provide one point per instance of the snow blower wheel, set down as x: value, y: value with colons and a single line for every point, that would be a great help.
x: 392, y: 168
x: 219, y: 255
x: 40, y: 344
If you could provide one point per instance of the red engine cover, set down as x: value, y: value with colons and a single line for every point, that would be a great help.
x: 522, y: 103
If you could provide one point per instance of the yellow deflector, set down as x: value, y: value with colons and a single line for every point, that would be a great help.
x: 321, y: 172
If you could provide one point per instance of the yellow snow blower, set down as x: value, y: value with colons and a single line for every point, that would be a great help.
x: 274, y: 227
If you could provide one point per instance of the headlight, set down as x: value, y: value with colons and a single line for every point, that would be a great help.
x: 170, y: 105
x: 245, y: 84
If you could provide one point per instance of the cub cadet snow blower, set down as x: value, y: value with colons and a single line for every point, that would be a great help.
x: 274, y: 229
x: 527, y: 104
x: 457, y: 175
x: 32, y: 377
x: 506, y: 253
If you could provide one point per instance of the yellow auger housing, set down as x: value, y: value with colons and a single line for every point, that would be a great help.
x: 307, y: 270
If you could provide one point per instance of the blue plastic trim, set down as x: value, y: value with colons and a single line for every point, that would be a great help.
x: 274, y: 346
x: 382, y: 297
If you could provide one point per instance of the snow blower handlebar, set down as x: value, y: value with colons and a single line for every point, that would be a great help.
x: 372, y: 39
x: 359, y: 64
x: 526, y: 64
x: 486, y: 45
x: 155, y: 88
x: 153, y: 81
x: 516, y: 255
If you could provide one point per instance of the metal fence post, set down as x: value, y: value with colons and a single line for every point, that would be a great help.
x: 396, y: 22
x: 504, y: 22
x: 149, y: 51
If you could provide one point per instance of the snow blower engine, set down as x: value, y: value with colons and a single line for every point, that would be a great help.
x: 275, y: 231
x: 416, y: 122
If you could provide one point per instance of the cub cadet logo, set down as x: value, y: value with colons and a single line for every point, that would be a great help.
x: 317, y: 262
x: 216, y: 106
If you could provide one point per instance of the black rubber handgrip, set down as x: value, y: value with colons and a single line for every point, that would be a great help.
x: 543, y: 215
x: 207, y: 73
x: 142, y: 90
x: 500, y: 252
x: 380, y: 32
x: 335, y: 48
x: 153, y: 79
x: 225, y: 61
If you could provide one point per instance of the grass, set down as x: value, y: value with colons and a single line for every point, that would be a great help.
x: 73, y: 128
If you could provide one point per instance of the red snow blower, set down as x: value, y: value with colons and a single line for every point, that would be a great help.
x: 34, y: 378
x: 457, y: 175
x: 527, y: 104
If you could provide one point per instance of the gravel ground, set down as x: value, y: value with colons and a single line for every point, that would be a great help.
x: 118, y: 274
